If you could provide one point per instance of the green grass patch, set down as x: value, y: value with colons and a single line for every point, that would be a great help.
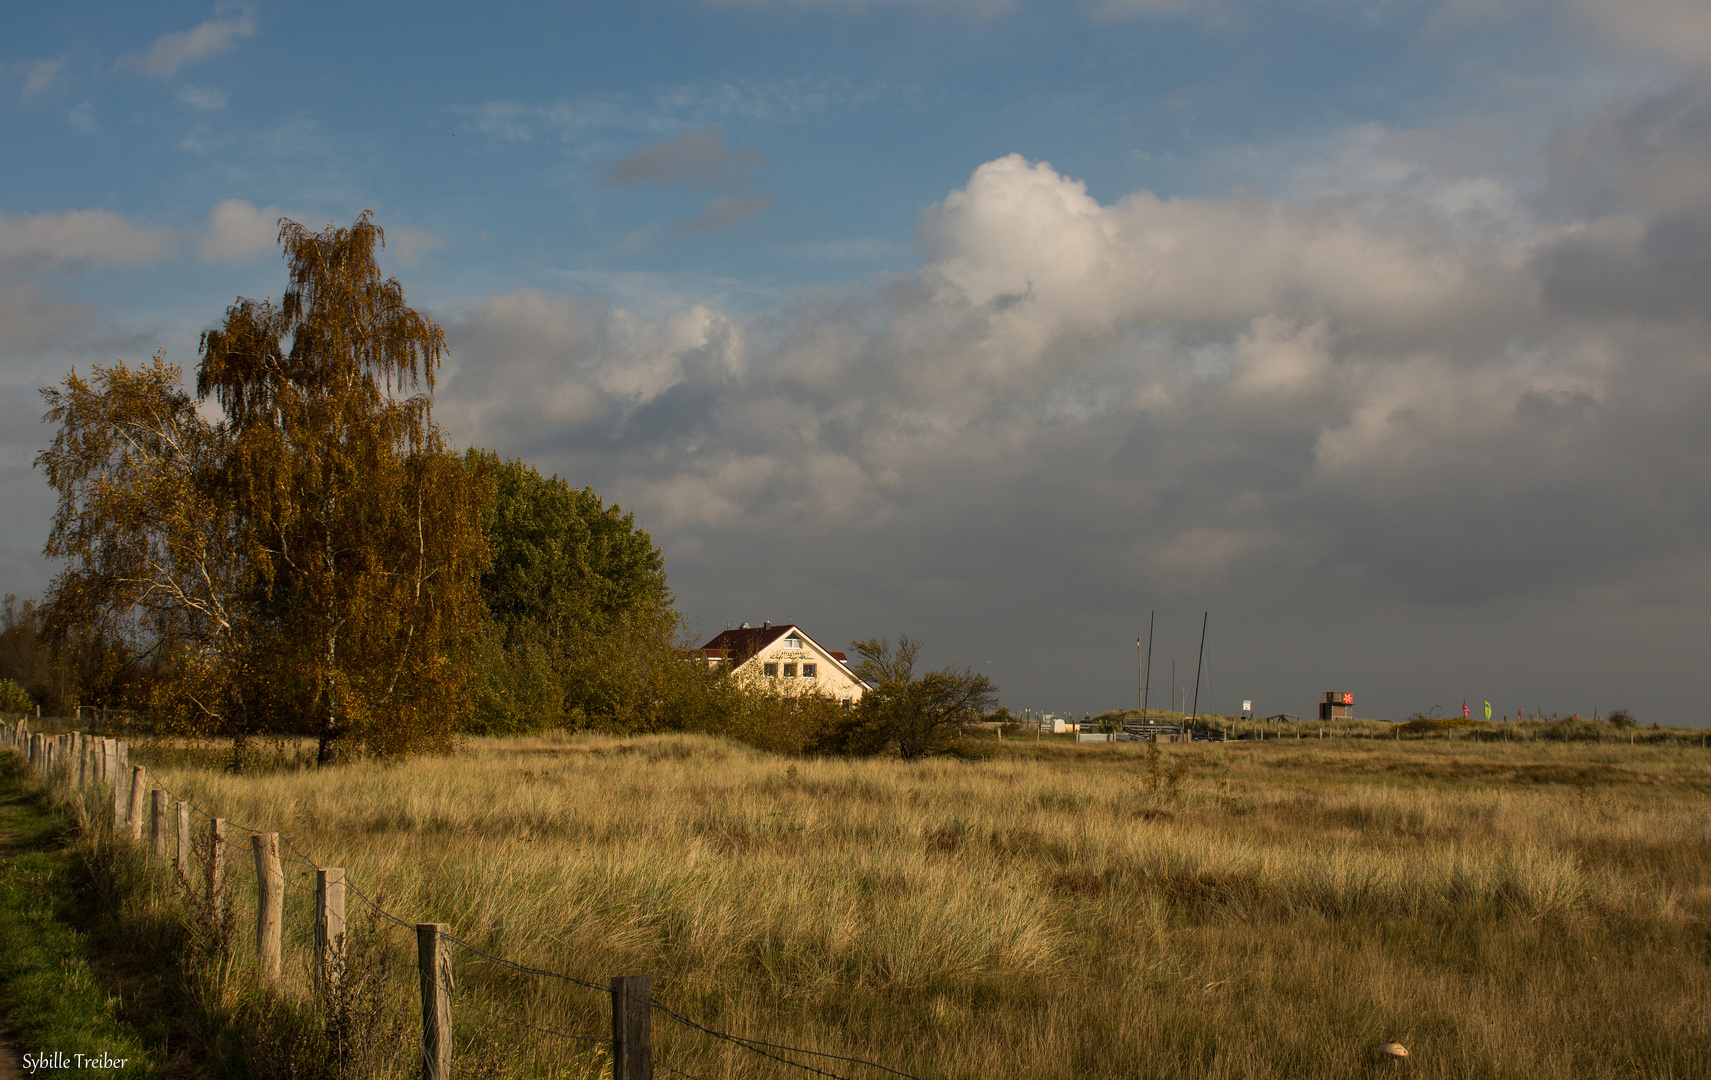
x: 52, y: 997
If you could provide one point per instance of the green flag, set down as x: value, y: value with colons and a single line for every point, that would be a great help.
x: 1488, y: 710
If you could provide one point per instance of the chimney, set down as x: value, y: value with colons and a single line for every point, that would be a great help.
x: 767, y: 625
x: 745, y: 626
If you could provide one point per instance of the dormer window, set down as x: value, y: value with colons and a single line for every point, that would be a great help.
x: 792, y: 642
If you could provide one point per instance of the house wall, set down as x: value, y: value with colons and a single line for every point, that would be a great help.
x: 830, y: 677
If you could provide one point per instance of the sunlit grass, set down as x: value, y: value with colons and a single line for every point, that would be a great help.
x: 1224, y: 910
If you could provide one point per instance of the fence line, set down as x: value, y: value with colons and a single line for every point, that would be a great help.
x: 83, y: 762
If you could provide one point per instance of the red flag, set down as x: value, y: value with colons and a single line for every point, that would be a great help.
x: 1464, y: 711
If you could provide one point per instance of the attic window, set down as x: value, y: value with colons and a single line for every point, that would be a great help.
x: 793, y: 642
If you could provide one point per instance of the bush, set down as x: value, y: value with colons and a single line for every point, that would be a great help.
x: 1421, y: 724
x: 13, y: 698
x: 1621, y: 718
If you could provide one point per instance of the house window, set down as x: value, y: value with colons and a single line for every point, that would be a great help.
x: 789, y: 671
x: 769, y: 670
x: 808, y: 670
x: 793, y: 642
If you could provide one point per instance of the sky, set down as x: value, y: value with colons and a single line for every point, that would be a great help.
x: 1374, y: 332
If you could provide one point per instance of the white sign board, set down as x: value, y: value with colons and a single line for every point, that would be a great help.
x: 1247, y: 706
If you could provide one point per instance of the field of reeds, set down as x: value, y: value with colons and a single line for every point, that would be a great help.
x: 1276, y: 909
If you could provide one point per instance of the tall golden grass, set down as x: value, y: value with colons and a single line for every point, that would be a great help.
x: 1207, y: 910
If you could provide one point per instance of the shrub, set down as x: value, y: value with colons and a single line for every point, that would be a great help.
x: 1421, y: 724
x: 13, y: 697
x: 1621, y: 718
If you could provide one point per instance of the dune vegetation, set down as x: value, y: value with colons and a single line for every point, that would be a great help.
x: 1276, y: 909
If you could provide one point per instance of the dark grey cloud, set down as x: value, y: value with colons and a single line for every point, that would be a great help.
x: 725, y: 211
x: 697, y: 157
x: 694, y: 158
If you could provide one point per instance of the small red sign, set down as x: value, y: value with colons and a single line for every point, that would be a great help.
x: 1348, y: 699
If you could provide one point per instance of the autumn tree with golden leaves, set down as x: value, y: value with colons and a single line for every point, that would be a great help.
x: 314, y: 554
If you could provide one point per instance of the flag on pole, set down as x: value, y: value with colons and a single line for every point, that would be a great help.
x: 1464, y: 712
x: 1488, y: 710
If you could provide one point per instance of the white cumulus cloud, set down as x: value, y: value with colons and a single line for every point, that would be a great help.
x: 237, y: 230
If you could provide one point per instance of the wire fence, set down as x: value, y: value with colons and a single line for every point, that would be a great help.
x: 90, y: 765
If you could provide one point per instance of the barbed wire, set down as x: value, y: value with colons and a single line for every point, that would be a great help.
x: 351, y: 887
x: 525, y: 968
x: 794, y: 1049
x: 514, y: 1022
x: 753, y: 1050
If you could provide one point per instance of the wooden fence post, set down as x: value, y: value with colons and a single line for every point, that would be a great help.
x: 216, y: 868
x: 183, y: 860
x: 134, y: 818
x: 434, y: 964
x: 116, y: 777
x: 330, y: 924
x: 269, y: 902
x: 157, y: 826
x: 35, y: 752
x: 632, y: 1027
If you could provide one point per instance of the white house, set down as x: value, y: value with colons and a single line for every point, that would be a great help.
x: 784, y: 658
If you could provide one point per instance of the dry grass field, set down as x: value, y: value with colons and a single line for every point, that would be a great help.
x: 1211, y: 911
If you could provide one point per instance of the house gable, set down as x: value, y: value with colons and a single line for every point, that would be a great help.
x: 787, y: 658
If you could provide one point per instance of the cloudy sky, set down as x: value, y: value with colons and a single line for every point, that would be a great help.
x: 1377, y: 329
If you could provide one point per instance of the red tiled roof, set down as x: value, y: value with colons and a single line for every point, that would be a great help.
x: 740, y: 644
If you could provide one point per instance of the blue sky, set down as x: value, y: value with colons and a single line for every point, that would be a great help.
x: 1376, y: 328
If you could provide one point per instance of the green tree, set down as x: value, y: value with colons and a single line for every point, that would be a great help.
x: 914, y: 715
x: 561, y: 557
x: 584, y: 631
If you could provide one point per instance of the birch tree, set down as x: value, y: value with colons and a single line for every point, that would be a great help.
x: 151, y: 555
x: 359, y: 529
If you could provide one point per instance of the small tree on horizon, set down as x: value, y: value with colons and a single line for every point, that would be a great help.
x: 915, y: 716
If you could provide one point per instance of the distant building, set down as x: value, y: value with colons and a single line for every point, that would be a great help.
x: 784, y: 658
x: 1336, y: 706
